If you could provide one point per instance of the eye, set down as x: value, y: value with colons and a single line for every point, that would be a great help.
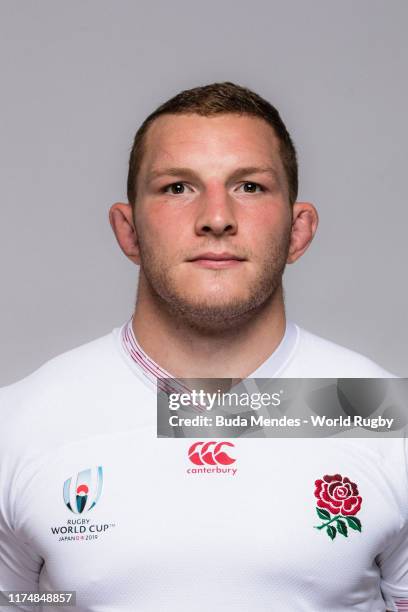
x: 250, y: 187
x: 176, y: 188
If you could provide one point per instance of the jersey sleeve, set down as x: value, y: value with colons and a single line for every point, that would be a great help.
x: 393, y: 563
x: 19, y: 565
x: 393, y: 560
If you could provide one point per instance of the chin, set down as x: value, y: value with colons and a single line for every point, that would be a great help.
x: 217, y: 302
x: 213, y: 306
x: 212, y: 316
x: 215, y: 321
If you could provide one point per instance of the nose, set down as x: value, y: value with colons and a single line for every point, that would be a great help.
x: 216, y: 214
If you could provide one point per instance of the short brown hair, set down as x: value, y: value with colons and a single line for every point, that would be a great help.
x: 210, y: 100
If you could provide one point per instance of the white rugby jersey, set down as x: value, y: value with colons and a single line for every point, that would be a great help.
x: 92, y: 501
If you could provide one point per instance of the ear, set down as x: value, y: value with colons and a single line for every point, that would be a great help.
x: 122, y: 223
x: 304, y: 225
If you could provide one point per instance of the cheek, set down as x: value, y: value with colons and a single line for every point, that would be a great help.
x: 154, y: 231
x: 164, y: 241
x: 162, y: 223
x: 266, y: 224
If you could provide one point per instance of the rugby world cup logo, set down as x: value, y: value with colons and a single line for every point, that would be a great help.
x: 81, y: 492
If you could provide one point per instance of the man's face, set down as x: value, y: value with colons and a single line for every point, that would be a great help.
x: 212, y: 216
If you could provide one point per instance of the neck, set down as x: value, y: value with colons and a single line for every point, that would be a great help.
x: 186, y: 353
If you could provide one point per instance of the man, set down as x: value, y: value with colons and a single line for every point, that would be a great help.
x: 92, y: 501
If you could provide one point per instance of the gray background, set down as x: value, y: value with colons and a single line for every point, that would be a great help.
x: 78, y: 77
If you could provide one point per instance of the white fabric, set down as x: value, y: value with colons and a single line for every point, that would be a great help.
x: 179, y: 541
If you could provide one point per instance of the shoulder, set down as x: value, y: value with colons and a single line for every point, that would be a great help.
x: 62, y: 398
x: 70, y: 369
x: 317, y: 357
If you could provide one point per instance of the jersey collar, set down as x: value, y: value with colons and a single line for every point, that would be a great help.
x: 141, y: 363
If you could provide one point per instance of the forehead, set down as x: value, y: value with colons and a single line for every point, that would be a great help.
x: 226, y: 139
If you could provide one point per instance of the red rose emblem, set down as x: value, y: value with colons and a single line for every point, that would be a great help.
x: 338, y: 495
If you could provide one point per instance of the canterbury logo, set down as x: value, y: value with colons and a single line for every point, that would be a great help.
x: 210, y: 453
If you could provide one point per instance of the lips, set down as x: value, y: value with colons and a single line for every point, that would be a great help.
x: 217, y: 257
x: 217, y: 261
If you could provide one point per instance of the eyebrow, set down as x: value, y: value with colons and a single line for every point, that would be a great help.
x: 236, y: 174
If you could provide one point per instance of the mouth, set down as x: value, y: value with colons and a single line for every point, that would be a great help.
x: 217, y: 261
